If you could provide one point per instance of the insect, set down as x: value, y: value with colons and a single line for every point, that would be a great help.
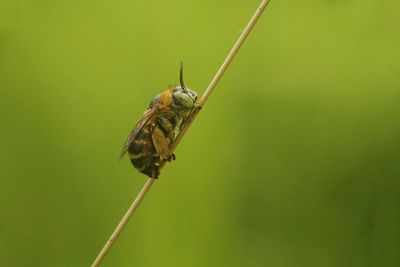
x: 149, y: 143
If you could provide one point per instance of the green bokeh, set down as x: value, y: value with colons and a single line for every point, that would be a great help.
x: 294, y: 161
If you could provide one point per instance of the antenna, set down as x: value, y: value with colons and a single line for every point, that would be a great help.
x: 181, y: 77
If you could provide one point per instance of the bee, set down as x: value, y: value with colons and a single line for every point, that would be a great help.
x: 149, y: 143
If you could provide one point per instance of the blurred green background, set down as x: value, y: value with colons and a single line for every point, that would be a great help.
x: 294, y: 161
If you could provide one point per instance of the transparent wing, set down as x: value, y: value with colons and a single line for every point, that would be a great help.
x: 148, y: 115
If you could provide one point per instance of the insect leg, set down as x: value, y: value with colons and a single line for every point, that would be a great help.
x: 161, y: 144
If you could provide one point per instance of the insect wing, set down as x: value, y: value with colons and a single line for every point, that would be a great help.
x: 148, y: 115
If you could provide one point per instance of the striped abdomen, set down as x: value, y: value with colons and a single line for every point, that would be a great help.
x: 143, y: 154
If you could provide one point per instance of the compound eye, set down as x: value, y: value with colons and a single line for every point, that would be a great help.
x: 184, y: 100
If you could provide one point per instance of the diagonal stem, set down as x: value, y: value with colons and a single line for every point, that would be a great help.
x: 184, y: 129
x: 221, y: 71
x: 124, y: 221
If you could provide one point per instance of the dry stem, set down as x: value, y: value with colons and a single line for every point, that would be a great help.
x: 184, y: 129
x: 123, y: 222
